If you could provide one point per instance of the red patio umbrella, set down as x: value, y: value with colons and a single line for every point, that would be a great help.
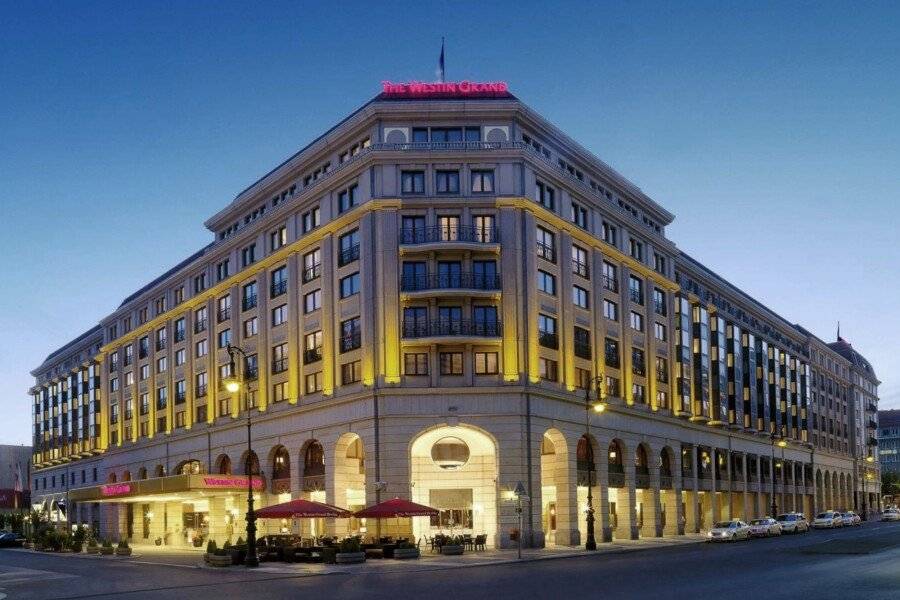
x: 396, y: 507
x: 301, y: 509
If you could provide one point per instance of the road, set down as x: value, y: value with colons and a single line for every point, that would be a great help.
x: 771, y: 568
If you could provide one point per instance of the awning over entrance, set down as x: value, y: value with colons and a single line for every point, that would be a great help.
x: 160, y: 488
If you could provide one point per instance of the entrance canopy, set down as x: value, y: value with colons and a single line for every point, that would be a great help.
x: 301, y: 509
x: 396, y: 507
x: 173, y: 488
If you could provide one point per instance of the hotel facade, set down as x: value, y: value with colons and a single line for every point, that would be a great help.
x: 430, y: 297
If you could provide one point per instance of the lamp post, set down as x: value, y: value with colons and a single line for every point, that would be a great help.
x: 234, y: 383
x: 866, y: 477
x: 781, y: 443
x: 599, y: 406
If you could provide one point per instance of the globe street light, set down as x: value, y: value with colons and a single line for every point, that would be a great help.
x: 234, y: 383
x: 781, y: 444
x: 598, y: 407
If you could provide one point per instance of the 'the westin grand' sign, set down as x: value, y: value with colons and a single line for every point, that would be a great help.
x: 449, y: 88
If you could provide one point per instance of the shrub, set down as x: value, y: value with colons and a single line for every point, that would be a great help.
x: 106, y: 543
x: 123, y: 544
x: 240, y: 542
x: 350, y: 545
x: 226, y: 546
x: 211, y: 547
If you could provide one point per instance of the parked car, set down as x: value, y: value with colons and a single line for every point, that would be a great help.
x: 851, y: 519
x: 765, y: 527
x: 8, y: 540
x: 729, y: 531
x: 793, y: 523
x: 891, y: 514
x: 828, y: 520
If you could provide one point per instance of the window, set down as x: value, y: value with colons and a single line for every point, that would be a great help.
x: 313, y: 382
x: 415, y: 363
x: 143, y: 347
x: 279, y: 358
x: 279, y: 315
x: 311, y: 220
x: 546, y: 245
x: 638, y: 394
x: 659, y: 301
x: 350, y: 285
x: 280, y: 392
x: 548, y: 369
x: 482, y: 182
x: 248, y: 296
x: 160, y: 305
x: 179, y: 330
x: 224, y: 312
x: 412, y: 182
x: 180, y: 357
x: 579, y: 215
x: 180, y: 391
x: 350, y: 335
x: 547, y: 332
x: 636, y: 249
x: 582, y: 378
x: 659, y: 263
x: 611, y: 353
x: 129, y: 378
x: 662, y: 399
x: 277, y: 238
x: 179, y: 294
x: 638, y: 364
x: 451, y: 363
x: 662, y: 370
x: 580, y: 297
x: 347, y: 199
x: 200, y: 380
x: 447, y: 182
x: 162, y: 397
x: 279, y: 283
x: 312, y: 347
x: 350, y: 372
x: 610, y: 234
x: 545, y: 195
x: 610, y: 277
x: 200, y: 320
x: 546, y: 282
x: 610, y: 310
x: 199, y: 283
x: 413, y: 230
x: 659, y: 332
x: 161, y: 364
x: 312, y: 265
x: 636, y: 289
x: 580, y: 261
x: 349, y: 248
x: 222, y: 270
x: 486, y: 363
x: 637, y: 321
x: 312, y: 301
x: 251, y: 327
x: 202, y: 348
x: 582, y: 341
x: 145, y: 373
x: 248, y: 255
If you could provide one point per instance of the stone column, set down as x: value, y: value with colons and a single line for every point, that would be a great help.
x: 630, y: 529
x: 565, y: 471
x: 674, y: 510
x: 603, y: 521
x: 695, y: 486
x: 653, y: 514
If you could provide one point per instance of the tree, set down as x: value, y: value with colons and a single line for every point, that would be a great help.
x: 890, y: 484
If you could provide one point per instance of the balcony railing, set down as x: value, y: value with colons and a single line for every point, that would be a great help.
x: 179, y: 335
x: 455, y: 281
x: 223, y: 315
x: 636, y: 296
x: 279, y: 365
x: 311, y: 355
x: 200, y: 326
x: 278, y: 288
x: 311, y: 273
x: 616, y: 476
x: 610, y: 283
x: 546, y: 251
x: 251, y: 373
x: 180, y: 397
x: 248, y: 302
x: 580, y: 268
x: 161, y: 344
x: 200, y: 391
x: 449, y: 234
x: 351, y: 341
x: 548, y: 339
x: 348, y: 255
x: 665, y: 482
x: 612, y: 360
x: 448, y: 327
x: 583, y: 350
x: 659, y: 307
x: 642, y: 481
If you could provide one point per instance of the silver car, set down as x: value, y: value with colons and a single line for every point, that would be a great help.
x: 793, y: 523
x: 828, y: 520
x: 850, y: 519
x: 765, y: 527
x: 728, y: 531
x: 891, y: 514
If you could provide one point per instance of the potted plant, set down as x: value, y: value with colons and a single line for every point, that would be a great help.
x: 211, y: 548
x: 92, y: 547
x: 406, y: 550
x: 106, y: 548
x: 158, y: 541
x: 198, y: 541
x: 453, y: 546
x: 239, y: 552
x: 123, y: 549
x: 350, y: 552
x: 220, y: 558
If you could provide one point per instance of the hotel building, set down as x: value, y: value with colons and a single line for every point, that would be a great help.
x: 423, y: 295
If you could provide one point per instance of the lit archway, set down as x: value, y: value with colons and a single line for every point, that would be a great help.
x: 555, y: 489
x: 223, y: 465
x: 350, y: 482
x: 189, y: 467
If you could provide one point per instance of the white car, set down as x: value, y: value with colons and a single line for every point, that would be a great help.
x: 729, y: 531
x: 764, y: 527
x: 828, y: 520
x: 851, y: 519
x: 891, y: 514
x: 793, y: 523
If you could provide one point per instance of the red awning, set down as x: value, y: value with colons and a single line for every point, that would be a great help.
x: 301, y: 509
x: 396, y: 507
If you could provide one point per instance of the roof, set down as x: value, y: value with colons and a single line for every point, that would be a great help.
x: 889, y: 418
x: 168, y: 273
x: 69, y: 346
x: 845, y: 349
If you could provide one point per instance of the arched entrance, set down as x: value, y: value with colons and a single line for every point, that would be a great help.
x: 454, y: 469
x: 312, y: 483
x: 617, y: 494
x: 555, y: 494
x: 350, y: 483
x: 281, y: 472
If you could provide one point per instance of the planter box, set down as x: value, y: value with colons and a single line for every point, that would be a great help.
x: 238, y: 556
x: 107, y: 551
x: 220, y: 561
x: 452, y: 550
x: 406, y: 553
x: 328, y: 556
x: 123, y: 551
x: 346, y: 558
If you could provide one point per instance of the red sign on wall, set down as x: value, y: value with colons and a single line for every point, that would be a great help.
x: 421, y: 89
x: 115, y: 489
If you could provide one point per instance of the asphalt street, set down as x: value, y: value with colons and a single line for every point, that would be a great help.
x: 863, y: 562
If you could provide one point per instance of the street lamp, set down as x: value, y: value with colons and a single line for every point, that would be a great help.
x: 781, y: 444
x: 235, y: 383
x: 598, y: 407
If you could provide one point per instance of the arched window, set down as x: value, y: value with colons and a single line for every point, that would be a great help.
x: 126, y: 476
x: 251, y: 464
x: 281, y: 464
x: 314, y: 467
x: 450, y: 453
x: 665, y: 463
x: 189, y: 467
x: 160, y: 471
x: 615, y: 457
x: 585, y: 461
x: 641, y: 467
x: 142, y: 473
x: 111, y: 478
x: 224, y: 465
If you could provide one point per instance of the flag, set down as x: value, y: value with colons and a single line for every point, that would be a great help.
x: 440, y: 69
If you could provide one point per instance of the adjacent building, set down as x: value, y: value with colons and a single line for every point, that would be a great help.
x: 889, y: 441
x: 15, y: 475
x: 427, y: 300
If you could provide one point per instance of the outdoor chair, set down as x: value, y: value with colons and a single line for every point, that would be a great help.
x: 480, y: 541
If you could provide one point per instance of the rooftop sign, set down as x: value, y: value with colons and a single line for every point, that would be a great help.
x: 421, y: 89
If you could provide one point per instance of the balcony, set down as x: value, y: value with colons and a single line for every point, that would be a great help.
x: 351, y: 341
x: 546, y: 251
x: 665, y: 482
x: 278, y: 288
x: 311, y: 273
x: 223, y: 315
x: 251, y: 373
x: 348, y: 255
x: 200, y: 326
x: 616, y: 476
x: 248, y: 302
x: 449, y: 235
x: 583, y: 350
x: 179, y: 335
x: 451, y: 328
x: 279, y: 365
x: 457, y: 281
x: 636, y: 296
x: 311, y: 355
x: 548, y: 339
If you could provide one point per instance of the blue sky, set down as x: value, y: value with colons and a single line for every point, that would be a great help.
x: 772, y: 131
